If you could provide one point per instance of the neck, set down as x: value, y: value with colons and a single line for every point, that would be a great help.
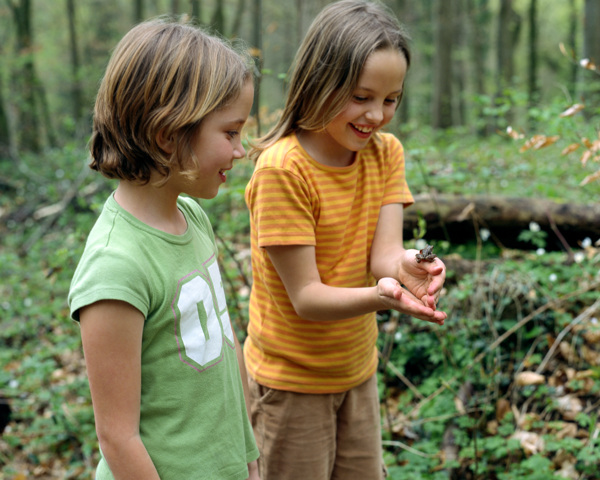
x: 155, y: 206
x: 320, y: 146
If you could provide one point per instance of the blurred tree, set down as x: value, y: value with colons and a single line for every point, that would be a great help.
x: 460, y: 65
x: 196, y: 11
x: 239, y: 16
x: 257, y: 47
x: 24, y: 77
x: 5, y: 133
x: 4, y: 127
x: 509, y: 27
x: 443, y: 34
x: 478, y: 18
x: 138, y: 11
x: 532, y: 80
x: 403, y: 11
x: 218, y: 20
x: 572, y: 43
x: 76, y: 89
x: 591, y: 51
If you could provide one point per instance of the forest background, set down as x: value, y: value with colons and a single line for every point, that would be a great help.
x: 500, y: 123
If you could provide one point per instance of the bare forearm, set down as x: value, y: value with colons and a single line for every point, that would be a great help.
x: 320, y: 302
x: 386, y: 263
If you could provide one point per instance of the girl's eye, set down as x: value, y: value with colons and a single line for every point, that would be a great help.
x: 233, y: 133
x: 359, y: 98
x: 391, y: 101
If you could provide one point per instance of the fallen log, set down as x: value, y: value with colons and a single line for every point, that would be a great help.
x: 459, y: 219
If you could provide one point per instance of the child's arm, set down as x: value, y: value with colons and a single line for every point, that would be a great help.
x: 111, y: 333
x: 313, y: 300
x: 243, y: 373
x: 389, y: 258
x: 252, y: 466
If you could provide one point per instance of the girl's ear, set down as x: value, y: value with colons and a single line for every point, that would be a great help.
x: 167, y: 145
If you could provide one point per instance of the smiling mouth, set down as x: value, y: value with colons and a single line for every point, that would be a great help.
x: 361, y: 131
x: 366, y: 130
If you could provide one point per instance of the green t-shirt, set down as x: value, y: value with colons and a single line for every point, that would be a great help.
x: 193, y: 418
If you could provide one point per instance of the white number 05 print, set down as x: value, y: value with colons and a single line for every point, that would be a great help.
x: 201, y: 319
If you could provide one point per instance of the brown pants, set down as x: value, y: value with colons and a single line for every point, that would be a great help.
x: 318, y: 437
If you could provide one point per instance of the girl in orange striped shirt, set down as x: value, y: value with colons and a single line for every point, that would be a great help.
x: 326, y: 207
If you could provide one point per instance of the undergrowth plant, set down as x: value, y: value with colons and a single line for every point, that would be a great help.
x: 441, y: 387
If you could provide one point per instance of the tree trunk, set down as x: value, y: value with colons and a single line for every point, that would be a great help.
x: 239, y: 16
x: 460, y: 66
x: 25, y: 79
x: 572, y: 39
x: 442, y: 65
x: 218, y: 19
x: 76, y: 90
x: 138, y: 11
x: 403, y: 11
x: 532, y: 82
x: 300, y: 4
x: 459, y: 219
x: 5, y: 140
x: 591, y: 51
x: 257, y: 42
x: 479, y: 14
x: 196, y: 7
x: 508, y: 32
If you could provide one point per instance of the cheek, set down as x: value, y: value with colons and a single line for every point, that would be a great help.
x: 389, y: 113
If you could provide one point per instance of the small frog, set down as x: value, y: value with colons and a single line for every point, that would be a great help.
x: 426, y: 254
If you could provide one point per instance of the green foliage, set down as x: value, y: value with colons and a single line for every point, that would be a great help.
x: 42, y: 372
x: 456, y: 362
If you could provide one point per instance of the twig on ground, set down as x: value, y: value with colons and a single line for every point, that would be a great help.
x: 408, y: 448
x: 587, y: 313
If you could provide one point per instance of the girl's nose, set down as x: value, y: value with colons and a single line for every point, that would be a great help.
x: 238, y: 151
x: 375, y: 114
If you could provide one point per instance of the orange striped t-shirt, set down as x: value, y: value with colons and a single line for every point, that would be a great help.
x: 294, y: 200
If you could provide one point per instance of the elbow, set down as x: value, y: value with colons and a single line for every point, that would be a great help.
x: 112, y: 444
x: 306, y: 310
x: 303, y: 311
x: 107, y: 442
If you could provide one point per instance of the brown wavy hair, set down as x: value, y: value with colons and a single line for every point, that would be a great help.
x: 329, y: 62
x: 162, y: 76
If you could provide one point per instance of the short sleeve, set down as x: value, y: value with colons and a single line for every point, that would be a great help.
x: 108, y: 275
x: 281, y: 208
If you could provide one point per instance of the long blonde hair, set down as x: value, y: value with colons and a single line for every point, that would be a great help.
x: 329, y: 62
x: 162, y: 76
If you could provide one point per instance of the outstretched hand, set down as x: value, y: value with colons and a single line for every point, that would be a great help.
x: 397, y: 298
x: 423, y: 279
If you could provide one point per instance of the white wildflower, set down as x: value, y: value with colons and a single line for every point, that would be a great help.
x: 553, y: 277
x: 579, y: 257
x: 420, y: 244
x: 587, y: 242
x: 534, y: 227
x: 540, y: 251
x: 484, y: 233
